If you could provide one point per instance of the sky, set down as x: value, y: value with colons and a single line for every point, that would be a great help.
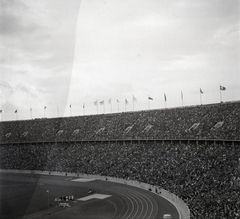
x: 59, y: 57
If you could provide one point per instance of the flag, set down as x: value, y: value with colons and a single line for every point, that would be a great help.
x: 70, y: 105
x: 150, y: 98
x: 0, y: 111
x: 134, y: 99
x: 101, y: 102
x: 45, y: 107
x: 30, y: 109
x: 84, y: 105
x: 15, y: 111
x: 118, y: 101
x: 222, y: 88
x: 165, y: 98
x: 110, y: 101
x: 201, y: 91
x: 126, y: 101
x: 96, y: 102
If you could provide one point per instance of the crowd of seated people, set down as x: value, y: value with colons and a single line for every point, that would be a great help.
x: 206, y: 177
x: 216, y: 121
x: 202, y: 175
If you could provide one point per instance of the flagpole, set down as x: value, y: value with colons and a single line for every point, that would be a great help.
x: 118, y: 105
x: 125, y: 104
x: 165, y: 100
x: 182, y: 97
x: 44, y: 112
x: 201, y: 98
x: 111, y: 106
x: 201, y: 92
x: 70, y: 110
x: 84, y: 109
x: 133, y: 103
x: 57, y: 112
x: 31, y: 113
x: 148, y: 103
x: 110, y: 102
x: 96, y: 103
x: 1, y: 112
x: 220, y: 93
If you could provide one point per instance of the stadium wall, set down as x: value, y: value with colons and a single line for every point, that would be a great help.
x: 182, y: 208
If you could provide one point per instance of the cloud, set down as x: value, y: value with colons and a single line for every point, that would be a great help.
x: 137, y: 47
x: 37, y: 41
x: 13, y: 19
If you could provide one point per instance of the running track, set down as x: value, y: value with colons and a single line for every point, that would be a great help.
x: 124, y: 202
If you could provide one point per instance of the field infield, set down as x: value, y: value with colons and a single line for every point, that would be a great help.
x: 44, y: 196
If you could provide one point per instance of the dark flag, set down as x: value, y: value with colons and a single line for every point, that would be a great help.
x: 165, y: 98
x: 150, y: 98
x: 222, y: 88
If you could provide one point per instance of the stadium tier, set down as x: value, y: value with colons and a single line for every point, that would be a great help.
x: 205, y: 175
x: 216, y: 121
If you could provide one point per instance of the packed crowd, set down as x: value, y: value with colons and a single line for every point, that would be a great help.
x: 202, y: 175
x: 206, y: 177
x: 215, y: 121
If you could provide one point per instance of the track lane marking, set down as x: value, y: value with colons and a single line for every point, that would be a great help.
x: 137, y: 203
x: 149, y: 201
x: 134, y: 200
x: 139, y: 197
x: 125, y: 197
x: 120, y: 198
x: 115, y: 207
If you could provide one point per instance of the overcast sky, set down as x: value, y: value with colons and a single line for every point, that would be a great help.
x: 57, y: 53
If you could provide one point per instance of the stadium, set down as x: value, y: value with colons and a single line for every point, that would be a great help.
x: 191, y: 152
x: 119, y: 109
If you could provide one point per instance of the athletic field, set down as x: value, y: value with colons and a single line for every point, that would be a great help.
x: 42, y: 196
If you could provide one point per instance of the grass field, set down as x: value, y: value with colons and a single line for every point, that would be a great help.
x: 25, y: 196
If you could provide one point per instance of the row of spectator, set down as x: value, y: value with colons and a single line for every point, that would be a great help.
x: 216, y: 121
x: 204, y: 176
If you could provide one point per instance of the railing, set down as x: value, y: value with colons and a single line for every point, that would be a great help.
x: 184, y: 141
